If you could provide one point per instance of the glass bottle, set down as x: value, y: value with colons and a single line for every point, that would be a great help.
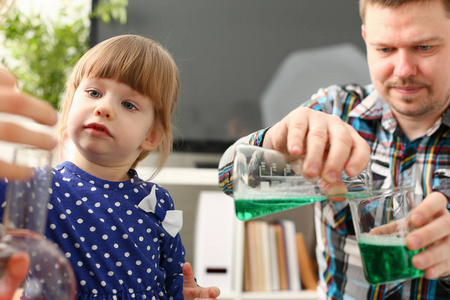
x: 50, y: 275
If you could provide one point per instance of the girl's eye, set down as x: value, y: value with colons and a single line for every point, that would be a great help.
x: 128, y: 105
x: 94, y: 94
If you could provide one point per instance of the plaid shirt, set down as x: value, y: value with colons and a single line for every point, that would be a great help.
x: 395, y: 161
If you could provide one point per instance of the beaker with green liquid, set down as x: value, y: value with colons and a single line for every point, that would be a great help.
x: 267, y: 181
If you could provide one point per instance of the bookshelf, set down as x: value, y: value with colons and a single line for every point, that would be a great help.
x: 185, y: 182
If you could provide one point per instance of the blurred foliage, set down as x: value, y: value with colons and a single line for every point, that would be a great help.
x: 41, y: 52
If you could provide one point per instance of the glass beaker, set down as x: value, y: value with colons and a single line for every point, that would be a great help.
x: 381, y: 221
x: 50, y: 275
x: 266, y: 182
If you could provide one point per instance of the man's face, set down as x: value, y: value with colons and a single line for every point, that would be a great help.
x: 408, y: 50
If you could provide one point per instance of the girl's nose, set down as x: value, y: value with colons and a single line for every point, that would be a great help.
x: 104, y: 111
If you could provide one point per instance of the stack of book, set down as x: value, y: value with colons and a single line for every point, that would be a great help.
x: 276, y: 258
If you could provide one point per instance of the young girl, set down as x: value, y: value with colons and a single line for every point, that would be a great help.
x: 120, y: 232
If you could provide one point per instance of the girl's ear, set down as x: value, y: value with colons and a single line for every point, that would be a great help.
x: 153, y: 140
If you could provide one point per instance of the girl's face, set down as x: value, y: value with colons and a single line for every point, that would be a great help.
x: 110, y: 123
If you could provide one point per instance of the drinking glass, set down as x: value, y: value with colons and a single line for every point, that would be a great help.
x: 381, y: 221
x: 50, y: 275
x: 267, y: 181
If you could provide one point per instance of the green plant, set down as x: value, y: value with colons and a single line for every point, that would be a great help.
x: 42, y: 51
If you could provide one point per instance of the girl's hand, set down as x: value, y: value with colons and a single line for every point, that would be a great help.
x: 191, y: 291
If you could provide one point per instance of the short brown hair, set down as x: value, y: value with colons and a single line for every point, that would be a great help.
x: 393, y: 3
x: 141, y: 63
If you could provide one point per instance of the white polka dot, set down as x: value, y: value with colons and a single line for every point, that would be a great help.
x: 111, y: 273
x: 98, y: 266
x: 82, y: 238
x: 80, y: 184
x: 82, y: 282
x: 125, y: 236
x: 57, y: 183
x: 91, y: 181
x: 84, y: 199
x: 97, y: 204
x: 92, y: 229
x: 106, y: 196
x: 121, y: 185
x: 103, y: 283
x: 118, y: 263
x: 90, y: 211
x: 67, y: 255
x: 94, y: 247
x: 136, y: 191
x: 52, y: 226
x: 125, y: 196
x: 65, y: 235
x: 102, y: 220
x: 110, y: 210
x: 80, y: 221
x: 140, y: 221
x: 78, y: 202
x: 80, y: 263
x: 106, y: 186
x: 49, y: 206
x: 130, y: 229
x: 93, y: 188
x: 116, y: 246
x: 106, y: 255
x: 130, y: 272
x: 67, y: 195
x: 105, y: 237
x: 138, y: 263
x: 129, y: 212
x: 113, y: 228
x: 62, y: 216
x: 68, y: 211
x: 117, y: 204
x: 126, y: 254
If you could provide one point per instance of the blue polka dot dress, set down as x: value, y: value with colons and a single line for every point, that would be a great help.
x: 121, y: 237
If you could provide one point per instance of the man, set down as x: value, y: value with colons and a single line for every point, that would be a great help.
x: 401, y: 124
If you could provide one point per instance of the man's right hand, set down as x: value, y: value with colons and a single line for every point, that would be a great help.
x: 329, y: 145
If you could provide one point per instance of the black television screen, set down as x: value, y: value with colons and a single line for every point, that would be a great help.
x: 228, y: 51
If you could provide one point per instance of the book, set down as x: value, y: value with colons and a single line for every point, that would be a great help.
x: 274, y: 272
x: 291, y: 254
x: 281, y: 257
x: 308, y: 272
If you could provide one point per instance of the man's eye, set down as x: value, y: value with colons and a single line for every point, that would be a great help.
x: 94, y: 94
x: 128, y: 105
x: 424, y: 48
x: 385, y: 50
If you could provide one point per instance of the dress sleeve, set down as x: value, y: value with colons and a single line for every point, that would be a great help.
x: 172, y: 251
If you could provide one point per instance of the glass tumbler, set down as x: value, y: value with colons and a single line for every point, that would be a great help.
x: 50, y: 275
x: 381, y: 221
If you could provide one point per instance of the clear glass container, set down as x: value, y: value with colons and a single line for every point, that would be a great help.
x: 50, y: 275
x: 266, y: 181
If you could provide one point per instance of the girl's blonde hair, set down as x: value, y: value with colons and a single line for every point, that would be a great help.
x: 141, y: 63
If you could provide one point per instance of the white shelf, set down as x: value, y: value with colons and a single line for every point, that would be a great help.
x: 182, y: 176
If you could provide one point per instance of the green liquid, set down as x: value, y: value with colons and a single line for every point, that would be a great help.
x: 387, y: 259
x: 247, y: 209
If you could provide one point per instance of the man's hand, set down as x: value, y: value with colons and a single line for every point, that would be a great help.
x: 432, y: 220
x: 192, y: 291
x: 329, y: 145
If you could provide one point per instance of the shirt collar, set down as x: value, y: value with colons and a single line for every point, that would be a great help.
x: 374, y: 107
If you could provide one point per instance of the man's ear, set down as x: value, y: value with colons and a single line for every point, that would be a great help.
x: 363, y: 31
x: 153, y: 140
